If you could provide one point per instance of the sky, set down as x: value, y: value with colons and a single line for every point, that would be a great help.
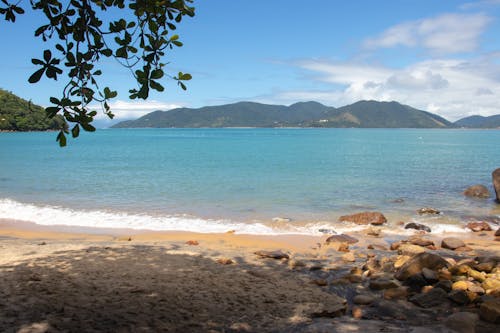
x: 438, y: 56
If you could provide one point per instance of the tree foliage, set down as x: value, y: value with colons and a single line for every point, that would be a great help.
x: 79, y: 39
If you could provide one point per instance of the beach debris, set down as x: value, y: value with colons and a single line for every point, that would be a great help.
x: 428, y: 211
x: 192, y: 242
x: 417, y: 226
x: 496, y: 183
x: 327, y: 231
x: 281, y: 219
x: 373, y: 218
x: 278, y: 254
x: 452, y: 243
x: 477, y: 191
x: 490, y: 311
x: 342, y: 238
x: 478, y: 226
x: 225, y: 261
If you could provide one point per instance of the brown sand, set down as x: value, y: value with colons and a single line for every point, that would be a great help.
x: 57, y: 279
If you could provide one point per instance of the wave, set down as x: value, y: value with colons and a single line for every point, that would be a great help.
x: 56, y: 215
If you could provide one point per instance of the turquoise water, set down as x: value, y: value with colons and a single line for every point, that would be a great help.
x: 162, y: 177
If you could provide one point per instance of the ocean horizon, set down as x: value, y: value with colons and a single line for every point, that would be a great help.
x: 215, y: 180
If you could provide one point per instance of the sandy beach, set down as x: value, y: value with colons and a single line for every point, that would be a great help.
x: 59, y: 279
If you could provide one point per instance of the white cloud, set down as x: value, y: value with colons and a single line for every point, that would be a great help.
x: 479, y: 4
x: 444, y: 34
x: 452, y: 88
x: 133, y: 109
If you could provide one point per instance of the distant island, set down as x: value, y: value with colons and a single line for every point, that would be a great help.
x: 362, y: 114
x: 17, y: 114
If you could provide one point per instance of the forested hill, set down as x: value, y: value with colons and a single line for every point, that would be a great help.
x: 479, y: 122
x: 17, y: 114
x: 366, y: 114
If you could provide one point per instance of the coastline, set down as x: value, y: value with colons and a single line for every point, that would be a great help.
x: 58, y: 278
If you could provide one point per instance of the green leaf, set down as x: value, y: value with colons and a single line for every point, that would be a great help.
x: 156, y: 86
x: 75, y: 131
x: 36, y: 76
x: 156, y: 74
x: 61, y: 138
x: 88, y: 127
x: 47, y: 55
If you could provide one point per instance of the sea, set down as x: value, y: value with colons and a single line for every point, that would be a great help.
x: 254, y: 181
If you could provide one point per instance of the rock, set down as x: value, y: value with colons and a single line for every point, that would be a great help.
x: 374, y: 218
x: 281, y: 219
x: 417, y: 226
x: 478, y: 226
x: 320, y: 282
x: 396, y: 293
x: 445, y: 285
x: 192, y: 242
x: 357, y: 312
x: 349, y: 257
x: 343, y: 247
x: 476, y: 289
x: 435, y: 297
x: 342, y: 238
x: 460, y: 285
x: 477, y: 191
x: 490, y: 310
x: 410, y: 249
x: 295, y: 264
x: 376, y: 247
x: 478, y: 276
x: 225, y: 261
x: 462, y: 322
x: 400, y: 261
x: 428, y: 211
x: 496, y: 183
x: 363, y: 299
x: 375, y: 232
x: 420, y: 241
x: 460, y: 269
x: 459, y: 296
x: 497, y: 233
x: 491, y: 285
x: 417, y: 263
x: 485, y: 266
x: 452, y: 243
x: 430, y: 275
x: 372, y: 265
x: 327, y: 231
x: 395, y: 245
x: 381, y: 284
x: 278, y: 254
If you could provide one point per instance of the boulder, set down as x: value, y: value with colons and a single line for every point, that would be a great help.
x: 497, y: 233
x: 420, y: 241
x: 428, y: 211
x: 363, y: 299
x: 452, y: 243
x: 478, y: 226
x: 462, y: 322
x: 415, y: 265
x: 410, y: 249
x: 272, y: 254
x: 417, y: 226
x: 374, y: 218
x: 496, y: 183
x: 342, y: 238
x: 381, y: 284
x: 430, y: 275
x: 432, y: 298
x: 477, y: 191
x: 396, y: 293
x: 459, y: 296
x: 490, y: 311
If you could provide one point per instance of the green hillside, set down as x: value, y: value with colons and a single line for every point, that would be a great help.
x: 367, y: 114
x: 17, y: 114
x: 479, y: 122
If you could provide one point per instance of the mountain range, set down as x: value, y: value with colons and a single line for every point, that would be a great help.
x: 362, y: 114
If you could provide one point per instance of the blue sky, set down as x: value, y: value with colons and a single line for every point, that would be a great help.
x: 440, y: 56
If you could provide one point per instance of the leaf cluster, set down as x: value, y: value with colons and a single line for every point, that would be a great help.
x: 138, y: 41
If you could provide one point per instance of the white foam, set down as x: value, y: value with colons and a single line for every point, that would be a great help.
x: 53, y: 215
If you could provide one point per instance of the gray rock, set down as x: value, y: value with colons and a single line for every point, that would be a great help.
x: 381, y: 284
x: 374, y: 218
x: 430, y: 275
x: 342, y: 238
x: 433, y: 297
x: 477, y: 191
x: 452, y: 243
x: 462, y: 322
x: 496, y: 183
x: 272, y: 254
x: 428, y: 211
x: 417, y: 263
x: 363, y: 299
x: 417, y: 226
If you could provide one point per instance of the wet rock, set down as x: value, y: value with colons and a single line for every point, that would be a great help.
x: 363, y: 299
x: 416, y: 283
x: 327, y: 231
x: 376, y: 247
x: 445, y: 285
x: 485, y: 266
x: 374, y: 218
x: 417, y: 226
x: 417, y: 263
x: 330, y: 310
x: 278, y: 254
x: 420, y: 241
x: 478, y: 226
x: 430, y: 275
x: 477, y: 191
x: 192, y: 242
x: 428, y: 211
x: 434, y: 297
x: 342, y: 238
x: 462, y: 322
x: 396, y: 293
x: 381, y: 284
x: 452, y: 243
x: 496, y: 183
x: 460, y: 285
x: 490, y: 311
x: 410, y: 249
x: 372, y: 265
x: 459, y: 296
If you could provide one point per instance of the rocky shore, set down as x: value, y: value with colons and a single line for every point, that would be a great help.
x: 366, y: 281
